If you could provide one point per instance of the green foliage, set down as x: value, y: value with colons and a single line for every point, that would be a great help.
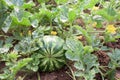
x: 85, y: 62
x: 109, y: 38
x: 115, y: 60
x: 47, y: 52
x: 15, y: 14
x: 42, y: 1
x: 13, y: 65
x: 84, y: 32
x: 88, y: 67
x: 61, y: 1
x: 74, y: 49
x: 6, y: 45
x: 72, y: 15
x: 34, y: 64
x: 89, y: 3
x: 114, y: 63
x: 105, y: 13
x: 25, y: 24
x: 26, y: 46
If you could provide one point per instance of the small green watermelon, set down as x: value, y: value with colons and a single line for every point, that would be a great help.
x: 51, y: 53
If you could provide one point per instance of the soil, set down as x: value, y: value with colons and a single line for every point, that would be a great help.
x: 79, y: 22
x: 61, y: 74
x: 103, y: 58
x: 2, y: 65
x: 98, y: 76
x: 57, y: 75
x: 118, y: 74
x: 113, y: 44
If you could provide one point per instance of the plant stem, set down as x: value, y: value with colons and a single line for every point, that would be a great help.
x: 96, y: 31
x: 38, y: 75
x: 73, y: 76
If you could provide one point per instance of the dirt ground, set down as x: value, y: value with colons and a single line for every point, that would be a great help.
x: 61, y: 74
x: 114, y: 44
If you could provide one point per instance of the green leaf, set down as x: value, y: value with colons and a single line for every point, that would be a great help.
x: 28, y: 5
x: 84, y: 32
x: 115, y: 58
x: 34, y: 23
x: 21, y: 17
x: 79, y: 74
x: 87, y: 66
x: 33, y: 65
x: 4, y: 76
x: 5, y: 20
x: 88, y: 49
x: 89, y: 3
x: 7, y: 24
x: 90, y: 75
x: 14, y: 2
x: 104, y: 13
x: 61, y: 1
x: 12, y: 56
x: 111, y: 11
x: 71, y: 15
x: 72, y: 55
x: 74, y: 45
x: 79, y: 66
x: 25, y: 21
x: 74, y: 49
x: 26, y: 46
x: 42, y: 1
x: 20, y: 64
x: 4, y: 50
x: 63, y: 16
x: 90, y: 61
x: 111, y: 75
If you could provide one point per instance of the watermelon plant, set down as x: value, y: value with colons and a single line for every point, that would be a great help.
x: 50, y: 33
x: 47, y: 52
x: 83, y: 59
x: 12, y: 65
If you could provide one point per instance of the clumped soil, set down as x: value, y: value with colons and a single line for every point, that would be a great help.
x: 103, y: 58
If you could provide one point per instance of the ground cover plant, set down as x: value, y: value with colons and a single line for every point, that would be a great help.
x: 59, y: 39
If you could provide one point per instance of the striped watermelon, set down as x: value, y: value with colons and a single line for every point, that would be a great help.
x: 51, y: 53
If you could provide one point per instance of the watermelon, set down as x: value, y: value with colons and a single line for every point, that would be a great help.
x: 51, y: 53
